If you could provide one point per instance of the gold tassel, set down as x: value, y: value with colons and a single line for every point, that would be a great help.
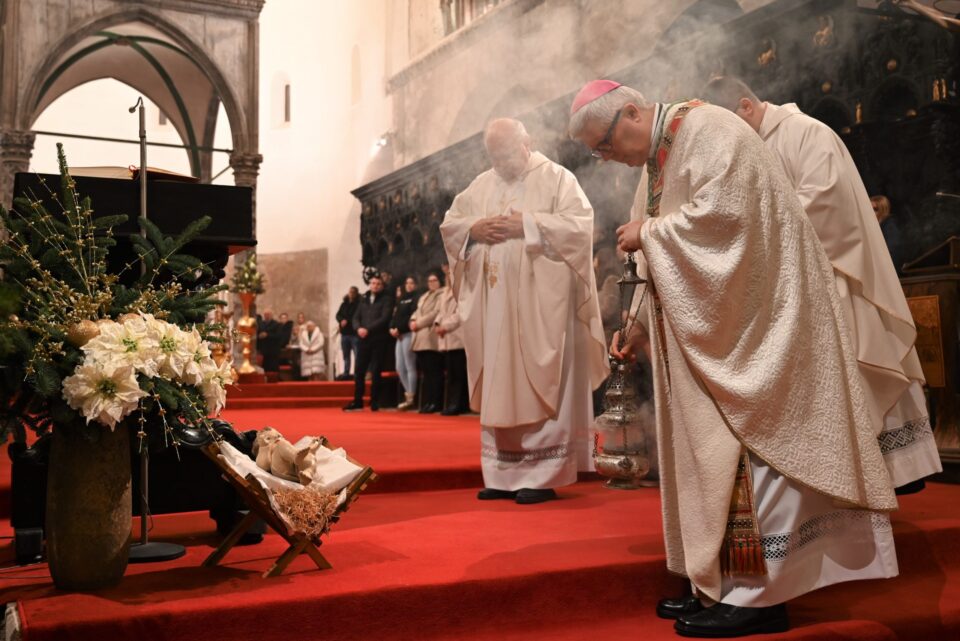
x: 741, y: 552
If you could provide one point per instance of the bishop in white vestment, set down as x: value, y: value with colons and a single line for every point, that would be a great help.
x: 518, y: 241
x: 772, y: 481
x: 832, y: 193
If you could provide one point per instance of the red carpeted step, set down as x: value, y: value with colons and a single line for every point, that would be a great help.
x: 409, y: 451
x: 442, y: 565
x: 266, y: 403
x: 292, y: 389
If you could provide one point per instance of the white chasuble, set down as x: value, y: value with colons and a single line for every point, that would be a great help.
x: 531, y: 324
x: 882, y: 328
x: 749, y: 345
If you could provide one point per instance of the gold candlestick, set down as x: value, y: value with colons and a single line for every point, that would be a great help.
x: 247, y: 326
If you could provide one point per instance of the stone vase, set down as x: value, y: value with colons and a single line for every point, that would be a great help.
x: 88, y: 518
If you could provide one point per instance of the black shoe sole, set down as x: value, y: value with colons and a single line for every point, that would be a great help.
x: 526, y: 499
x: 495, y: 495
x: 673, y: 615
x: 765, y: 627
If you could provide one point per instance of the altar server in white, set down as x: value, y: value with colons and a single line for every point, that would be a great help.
x: 882, y: 329
x: 519, y: 244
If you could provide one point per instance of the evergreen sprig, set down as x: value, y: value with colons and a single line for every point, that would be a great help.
x: 56, y: 274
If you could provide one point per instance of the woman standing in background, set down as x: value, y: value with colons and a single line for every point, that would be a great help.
x: 400, y: 330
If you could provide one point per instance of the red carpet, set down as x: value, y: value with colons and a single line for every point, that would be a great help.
x: 291, y: 394
x: 442, y: 565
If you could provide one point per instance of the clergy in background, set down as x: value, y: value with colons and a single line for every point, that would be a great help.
x: 772, y: 481
x: 826, y: 180
x: 519, y: 243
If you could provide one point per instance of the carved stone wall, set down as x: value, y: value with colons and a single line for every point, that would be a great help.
x: 884, y: 79
x: 296, y: 282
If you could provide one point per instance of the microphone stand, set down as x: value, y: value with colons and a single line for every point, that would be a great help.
x: 146, y: 551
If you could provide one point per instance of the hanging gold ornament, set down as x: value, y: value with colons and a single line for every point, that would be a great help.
x: 79, y: 334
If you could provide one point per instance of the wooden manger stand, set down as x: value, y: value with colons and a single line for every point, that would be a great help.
x: 256, y: 498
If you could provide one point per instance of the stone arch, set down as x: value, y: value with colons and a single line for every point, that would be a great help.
x: 183, y: 67
x: 38, y: 76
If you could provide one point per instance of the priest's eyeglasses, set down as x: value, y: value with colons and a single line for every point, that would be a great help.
x: 605, y: 146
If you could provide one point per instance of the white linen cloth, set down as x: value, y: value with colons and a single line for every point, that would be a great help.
x: 332, y: 471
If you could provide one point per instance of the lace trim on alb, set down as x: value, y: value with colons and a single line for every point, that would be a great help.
x: 777, y: 547
x: 526, y: 456
x: 907, y: 434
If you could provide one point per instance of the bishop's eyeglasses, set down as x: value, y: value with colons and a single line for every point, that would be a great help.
x: 606, y: 145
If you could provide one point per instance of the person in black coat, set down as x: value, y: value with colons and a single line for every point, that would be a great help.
x: 349, y: 341
x: 372, y: 323
x: 269, y: 341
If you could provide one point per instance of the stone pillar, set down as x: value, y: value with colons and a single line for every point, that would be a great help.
x: 246, y: 167
x: 16, y: 147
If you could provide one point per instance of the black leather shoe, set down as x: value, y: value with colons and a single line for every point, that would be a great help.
x: 910, y: 488
x: 451, y: 411
x: 526, y: 496
x: 374, y: 407
x: 429, y: 409
x: 721, y: 621
x: 353, y: 407
x: 490, y: 494
x: 676, y: 608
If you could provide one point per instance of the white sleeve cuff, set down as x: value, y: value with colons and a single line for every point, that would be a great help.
x: 531, y: 234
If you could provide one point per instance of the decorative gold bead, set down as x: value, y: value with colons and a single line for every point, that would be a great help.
x: 79, y: 334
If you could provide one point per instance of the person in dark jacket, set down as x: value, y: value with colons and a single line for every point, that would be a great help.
x: 372, y: 323
x: 269, y: 340
x: 400, y: 330
x: 349, y: 341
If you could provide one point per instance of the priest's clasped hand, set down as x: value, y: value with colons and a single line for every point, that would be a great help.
x: 498, y: 229
x: 628, y: 236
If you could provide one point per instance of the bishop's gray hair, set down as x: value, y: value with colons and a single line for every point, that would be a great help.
x: 604, y: 108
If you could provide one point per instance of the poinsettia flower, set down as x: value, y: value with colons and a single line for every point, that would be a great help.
x: 214, y: 384
x: 126, y: 343
x: 176, y: 347
x: 104, y: 391
x: 201, y: 360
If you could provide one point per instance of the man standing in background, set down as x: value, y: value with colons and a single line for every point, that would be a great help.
x: 372, y: 322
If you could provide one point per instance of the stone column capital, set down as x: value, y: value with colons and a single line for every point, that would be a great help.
x: 16, y: 147
x: 246, y: 168
x: 15, y: 143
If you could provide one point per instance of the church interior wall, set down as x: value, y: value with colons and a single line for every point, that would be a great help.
x: 297, y: 282
x: 452, y: 85
x: 303, y: 199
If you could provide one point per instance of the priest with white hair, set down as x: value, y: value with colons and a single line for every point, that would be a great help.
x: 772, y: 482
x: 832, y: 193
x: 519, y: 245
